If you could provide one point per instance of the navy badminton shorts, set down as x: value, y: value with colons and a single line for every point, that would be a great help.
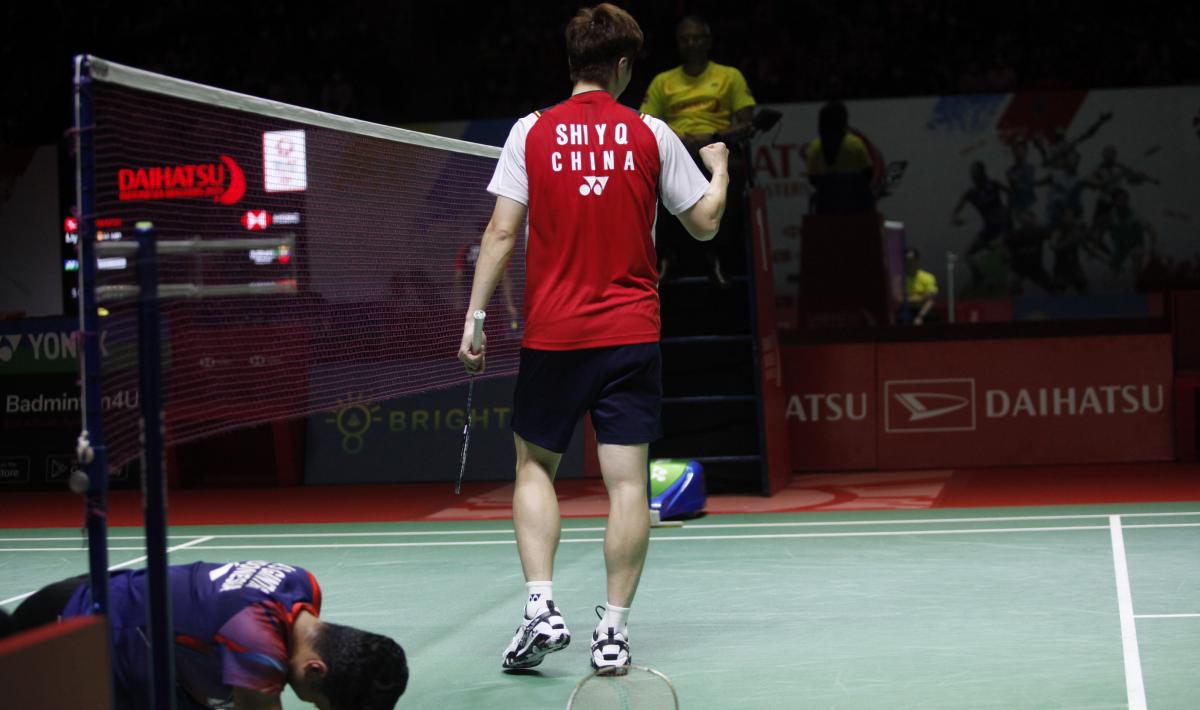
x: 620, y: 385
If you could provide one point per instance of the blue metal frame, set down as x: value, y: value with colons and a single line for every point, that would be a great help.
x: 764, y: 465
x: 89, y: 326
x: 154, y: 484
x: 92, y: 451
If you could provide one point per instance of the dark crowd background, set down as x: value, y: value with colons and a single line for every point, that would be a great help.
x: 401, y: 62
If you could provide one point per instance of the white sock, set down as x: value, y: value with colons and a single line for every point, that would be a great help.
x: 539, y: 594
x: 615, y: 618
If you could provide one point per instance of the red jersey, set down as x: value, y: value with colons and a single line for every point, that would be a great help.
x: 590, y: 172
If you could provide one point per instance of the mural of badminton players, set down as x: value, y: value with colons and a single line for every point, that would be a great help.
x: 1069, y: 239
x: 1108, y: 179
x: 987, y: 196
x: 1060, y: 147
x: 1066, y: 188
x: 1022, y: 181
x: 1131, y: 239
x: 1025, y: 248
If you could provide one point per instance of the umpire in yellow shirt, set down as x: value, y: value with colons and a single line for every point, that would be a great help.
x: 703, y: 102
x: 920, y: 287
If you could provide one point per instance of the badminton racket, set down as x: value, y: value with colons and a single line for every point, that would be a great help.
x: 476, y: 344
x: 624, y: 688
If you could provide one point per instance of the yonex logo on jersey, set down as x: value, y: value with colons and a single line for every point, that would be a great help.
x: 593, y: 184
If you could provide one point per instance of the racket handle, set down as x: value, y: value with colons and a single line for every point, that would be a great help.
x: 477, y: 334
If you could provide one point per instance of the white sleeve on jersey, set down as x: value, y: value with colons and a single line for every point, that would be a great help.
x: 510, y: 179
x: 681, y: 184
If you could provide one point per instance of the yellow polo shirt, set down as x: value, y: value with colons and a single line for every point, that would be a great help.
x: 920, y: 286
x: 698, y: 104
x: 852, y: 157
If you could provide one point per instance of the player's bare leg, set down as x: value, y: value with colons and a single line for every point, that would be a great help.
x: 535, y: 509
x: 538, y: 527
x: 626, y: 538
x: 628, y: 532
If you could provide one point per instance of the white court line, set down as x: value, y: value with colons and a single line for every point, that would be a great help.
x: 658, y: 538
x: 119, y: 565
x: 397, y: 533
x: 1166, y: 616
x: 1135, y: 688
x: 690, y: 526
x: 672, y: 538
x: 918, y: 521
x: 134, y: 561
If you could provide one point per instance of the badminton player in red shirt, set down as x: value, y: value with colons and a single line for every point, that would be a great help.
x: 588, y: 173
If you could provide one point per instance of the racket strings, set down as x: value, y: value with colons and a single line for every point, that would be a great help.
x: 626, y: 688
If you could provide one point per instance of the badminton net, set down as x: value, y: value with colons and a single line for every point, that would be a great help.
x: 357, y: 292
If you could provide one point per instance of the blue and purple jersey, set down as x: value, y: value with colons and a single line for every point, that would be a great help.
x: 232, y: 621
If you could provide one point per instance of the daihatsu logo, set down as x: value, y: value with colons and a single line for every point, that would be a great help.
x: 929, y: 405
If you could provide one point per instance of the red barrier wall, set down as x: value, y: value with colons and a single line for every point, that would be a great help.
x: 980, y: 403
x: 830, y: 409
x: 57, y: 666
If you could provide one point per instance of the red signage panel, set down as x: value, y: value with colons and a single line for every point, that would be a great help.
x: 1034, y: 401
x: 830, y: 407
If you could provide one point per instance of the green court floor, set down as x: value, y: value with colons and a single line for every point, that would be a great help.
x: 1014, y: 608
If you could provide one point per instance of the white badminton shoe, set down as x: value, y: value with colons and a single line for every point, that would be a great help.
x: 536, y: 638
x: 610, y: 648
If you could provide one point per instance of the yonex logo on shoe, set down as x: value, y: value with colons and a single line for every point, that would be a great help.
x: 593, y: 184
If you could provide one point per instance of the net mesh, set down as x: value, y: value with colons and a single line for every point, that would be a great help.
x: 383, y: 238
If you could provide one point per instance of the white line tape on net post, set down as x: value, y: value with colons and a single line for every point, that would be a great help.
x: 196, y: 246
x: 108, y: 294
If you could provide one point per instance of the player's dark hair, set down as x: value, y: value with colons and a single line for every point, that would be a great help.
x: 832, y: 123
x: 366, y: 671
x: 597, y: 37
x: 693, y: 20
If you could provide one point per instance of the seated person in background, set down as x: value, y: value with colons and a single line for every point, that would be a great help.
x: 920, y: 287
x: 840, y: 166
x: 703, y: 102
x: 242, y: 631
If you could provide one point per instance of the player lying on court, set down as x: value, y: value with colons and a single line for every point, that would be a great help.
x: 242, y: 631
x: 588, y: 173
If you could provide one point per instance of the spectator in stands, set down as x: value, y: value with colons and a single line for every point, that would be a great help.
x: 840, y: 165
x: 703, y: 102
x: 920, y: 288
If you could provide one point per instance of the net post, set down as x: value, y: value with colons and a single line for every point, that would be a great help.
x: 951, y: 260
x: 154, y: 498
x: 91, y: 451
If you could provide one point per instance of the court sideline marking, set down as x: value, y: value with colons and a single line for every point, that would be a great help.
x: 1135, y: 687
x: 119, y: 565
x: 689, y: 526
x: 656, y: 538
